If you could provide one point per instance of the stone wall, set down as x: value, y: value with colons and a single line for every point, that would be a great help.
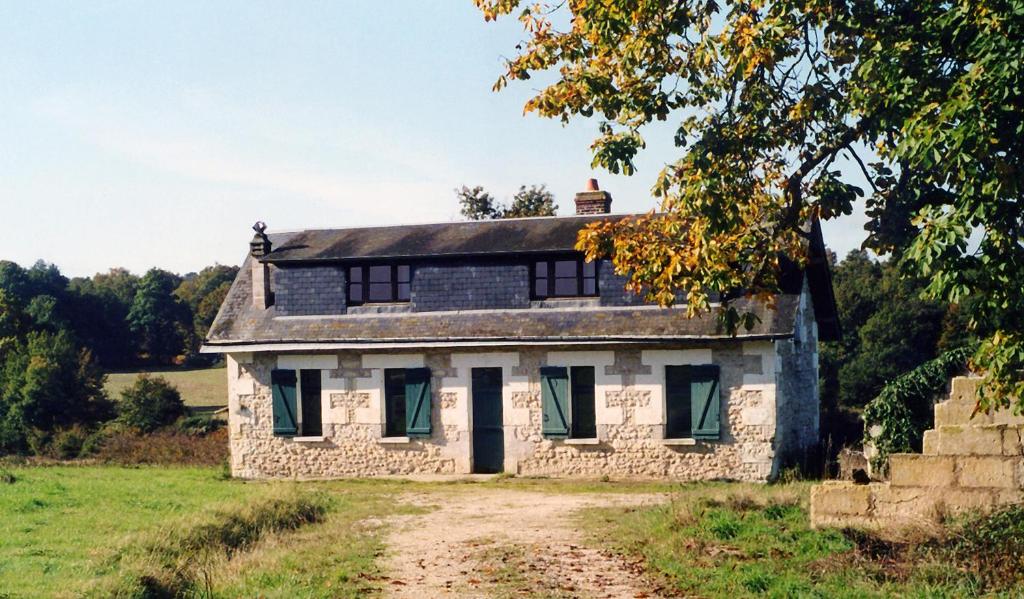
x: 970, y: 463
x: 630, y: 415
x: 797, y: 376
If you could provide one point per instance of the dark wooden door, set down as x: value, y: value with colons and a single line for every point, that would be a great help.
x: 488, y: 436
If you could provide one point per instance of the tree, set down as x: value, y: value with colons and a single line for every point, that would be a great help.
x: 923, y: 99
x: 203, y: 293
x: 151, y: 402
x: 46, y: 383
x: 158, y: 319
x: 99, y: 314
x: 535, y: 200
x: 476, y: 203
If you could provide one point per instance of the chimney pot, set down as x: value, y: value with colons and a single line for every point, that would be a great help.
x: 592, y: 200
x: 260, y: 244
x: 262, y: 296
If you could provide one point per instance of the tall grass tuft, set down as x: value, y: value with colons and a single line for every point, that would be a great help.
x: 179, y: 561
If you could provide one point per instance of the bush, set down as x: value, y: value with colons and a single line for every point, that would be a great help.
x: 67, y: 443
x: 991, y: 547
x: 150, y: 403
x: 904, y: 408
x: 199, y: 424
x: 167, y: 447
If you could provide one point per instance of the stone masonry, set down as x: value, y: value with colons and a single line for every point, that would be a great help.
x: 968, y: 464
x: 629, y: 393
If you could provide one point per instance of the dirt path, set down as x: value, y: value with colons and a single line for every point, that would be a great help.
x: 496, y: 542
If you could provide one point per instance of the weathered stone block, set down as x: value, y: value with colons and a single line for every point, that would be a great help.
x: 953, y: 413
x: 1013, y: 441
x: 970, y: 440
x: 930, y: 442
x: 833, y: 498
x: 910, y: 470
x: 963, y: 500
x: 987, y: 471
x: 906, y: 505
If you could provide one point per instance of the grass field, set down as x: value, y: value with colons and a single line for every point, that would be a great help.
x: 719, y: 540
x: 73, y: 531
x: 69, y: 531
x: 200, y: 387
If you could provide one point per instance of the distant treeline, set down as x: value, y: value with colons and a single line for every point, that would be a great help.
x: 58, y: 335
x: 123, y: 319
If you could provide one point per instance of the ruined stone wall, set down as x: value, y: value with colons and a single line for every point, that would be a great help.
x: 630, y: 415
x: 970, y: 463
x: 797, y: 376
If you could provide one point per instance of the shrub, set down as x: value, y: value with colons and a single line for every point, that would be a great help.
x: 150, y: 403
x: 67, y: 443
x: 904, y: 408
x: 992, y: 547
x: 167, y: 447
x: 199, y: 424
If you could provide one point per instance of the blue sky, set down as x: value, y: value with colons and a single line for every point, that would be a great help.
x: 144, y: 134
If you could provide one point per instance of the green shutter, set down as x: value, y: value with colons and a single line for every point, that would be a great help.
x: 282, y: 388
x: 706, y: 404
x: 554, y: 393
x: 417, y: 401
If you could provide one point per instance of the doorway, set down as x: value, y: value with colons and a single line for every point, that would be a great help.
x: 488, y: 435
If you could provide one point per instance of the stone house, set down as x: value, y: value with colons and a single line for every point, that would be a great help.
x: 492, y: 346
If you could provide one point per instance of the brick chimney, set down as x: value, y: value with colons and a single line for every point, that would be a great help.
x: 592, y: 200
x: 259, y: 247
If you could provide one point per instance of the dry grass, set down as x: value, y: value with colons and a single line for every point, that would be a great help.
x: 182, y: 559
x: 200, y: 387
x: 168, y: 447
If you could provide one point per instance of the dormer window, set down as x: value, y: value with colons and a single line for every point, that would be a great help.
x: 379, y: 283
x: 564, y: 277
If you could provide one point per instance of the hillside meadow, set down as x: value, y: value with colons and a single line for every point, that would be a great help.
x: 199, y: 387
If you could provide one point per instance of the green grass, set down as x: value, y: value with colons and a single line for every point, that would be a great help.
x: 198, y: 387
x: 67, y: 530
x: 728, y: 540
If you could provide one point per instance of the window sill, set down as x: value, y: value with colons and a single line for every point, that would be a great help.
x: 319, y: 439
x: 685, y: 441
x: 379, y: 308
x: 394, y: 440
x: 582, y: 441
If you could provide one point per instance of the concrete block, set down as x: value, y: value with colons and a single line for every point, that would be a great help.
x: 964, y: 389
x: 912, y: 470
x: 970, y: 440
x: 964, y: 500
x: 1013, y: 441
x: 956, y: 413
x: 987, y: 471
x: 905, y: 504
x: 833, y: 498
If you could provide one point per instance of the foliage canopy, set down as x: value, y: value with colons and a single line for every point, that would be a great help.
x: 478, y: 204
x: 924, y: 98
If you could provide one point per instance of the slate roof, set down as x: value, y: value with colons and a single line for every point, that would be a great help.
x: 239, y: 323
x: 488, y: 237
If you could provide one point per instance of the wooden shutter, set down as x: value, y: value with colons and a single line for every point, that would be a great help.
x: 705, y: 406
x: 417, y: 401
x: 554, y: 393
x: 282, y: 388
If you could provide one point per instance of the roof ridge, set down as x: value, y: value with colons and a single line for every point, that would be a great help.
x: 459, y: 222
